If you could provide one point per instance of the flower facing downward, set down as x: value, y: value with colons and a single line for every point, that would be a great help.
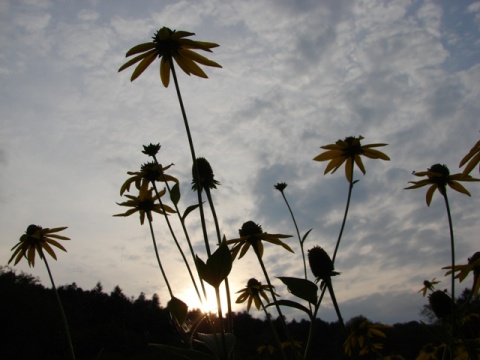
x: 252, y: 292
x: 145, y: 203
x: 169, y: 45
x: 428, y: 285
x: 251, y: 234
x: 205, y: 172
x: 321, y: 264
x: 438, y: 177
x: 149, y: 172
x: 349, y: 151
x: 37, y: 239
x: 464, y: 270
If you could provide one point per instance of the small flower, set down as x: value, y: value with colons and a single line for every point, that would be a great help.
x: 472, y: 158
x: 464, y: 270
x: 145, y: 203
x: 428, y: 285
x: 251, y: 234
x: 280, y: 186
x: 151, y: 149
x: 349, y: 151
x: 440, y: 303
x: 321, y: 264
x: 438, y: 177
x: 169, y: 45
x: 205, y: 172
x: 37, y: 239
x: 363, y: 337
x: 149, y: 172
x: 252, y: 292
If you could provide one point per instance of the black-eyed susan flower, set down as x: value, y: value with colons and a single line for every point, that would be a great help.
x: 206, y: 178
x: 464, y: 270
x: 364, y: 337
x: 280, y: 186
x: 251, y: 234
x: 252, y: 293
x: 349, y: 151
x: 438, y: 177
x: 428, y: 285
x: 149, y: 172
x: 321, y: 264
x: 441, y: 303
x: 145, y: 203
x: 169, y: 45
x: 472, y: 159
x: 37, y: 239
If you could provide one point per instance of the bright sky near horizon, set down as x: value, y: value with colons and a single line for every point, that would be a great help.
x: 296, y: 75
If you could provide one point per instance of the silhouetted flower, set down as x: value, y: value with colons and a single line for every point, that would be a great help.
x: 149, y: 172
x: 280, y: 186
x: 428, y: 285
x: 321, y: 264
x: 145, y: 203
x: 472, y: 159
x: 464, y: 270
x: 169, y: 45
x: 251, y: 234
x: 438, y: 177
x: 440, y: 303
x: 37, y: 239
x: 349, y: 151
x: 252, y: 292
x: 363, y: 337
x: 205, y: 172
x: 151, y: 149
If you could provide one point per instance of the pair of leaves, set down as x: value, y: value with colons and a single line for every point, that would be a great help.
x: 217, y: 267
x: 175, y: 198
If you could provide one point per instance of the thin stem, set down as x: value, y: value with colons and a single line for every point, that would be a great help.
x: 274, y: 331
x: 452, y: 250
x: 158, y: 258
x: 192, y: 152
x: 176, y: 241
x: 280, y: 314
x: 328, y: 284
x: 219, y: 238
x: 350, y: 188
x: 60, y: 306
x: 222, y: 325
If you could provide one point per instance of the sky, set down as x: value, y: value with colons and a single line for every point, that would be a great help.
x: 295, y: 75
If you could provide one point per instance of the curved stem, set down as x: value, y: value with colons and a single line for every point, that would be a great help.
x: 60, y: 306
x: 452, y: 250
x: 192, y: 152
x: 158, y: 258
x: 328, y: 284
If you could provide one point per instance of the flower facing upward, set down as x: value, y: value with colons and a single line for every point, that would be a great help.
x: 205, y: 173
x: 472, y: 159
x: 252, y: 292
x: 151, y: 149
x: 349, y: 151
x: 438, y: 177
x: 280, y: 186
x: 37, y: 239
x: 145, y: 203
x: 464, y: 270
x: 149, y: 172
x: 363, y: 337
x: 251, y: 234
x: 321, y: 264
x: 428, y: 285
x: 169, y: 45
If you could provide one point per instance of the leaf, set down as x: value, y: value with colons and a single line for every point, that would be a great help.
x: 292, y: 304
x: 174, y: 353
x: 178, y: 309
x: 214, y: 342
x: 305, y: 236
x: 175, y: 193
x: 188, y: 211
x: 302, y: 288
x: 218, y: 265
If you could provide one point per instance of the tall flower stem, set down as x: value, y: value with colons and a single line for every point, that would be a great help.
x: 219, y: 238
x: 335, y: 304
x: 60, y: 306
x: 158, y: 258
x: 192, y: 152
x: 220, y: 317
x: 452, y: 250
x: 349, y: 196
x: 280, y: 314
x: 176, y: 242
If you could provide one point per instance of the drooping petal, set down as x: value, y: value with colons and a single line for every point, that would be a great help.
x: 165, y: 71
x: 429, y: 194
x: 149, y: 58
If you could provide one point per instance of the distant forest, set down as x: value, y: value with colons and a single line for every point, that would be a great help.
x: 111, y: 325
